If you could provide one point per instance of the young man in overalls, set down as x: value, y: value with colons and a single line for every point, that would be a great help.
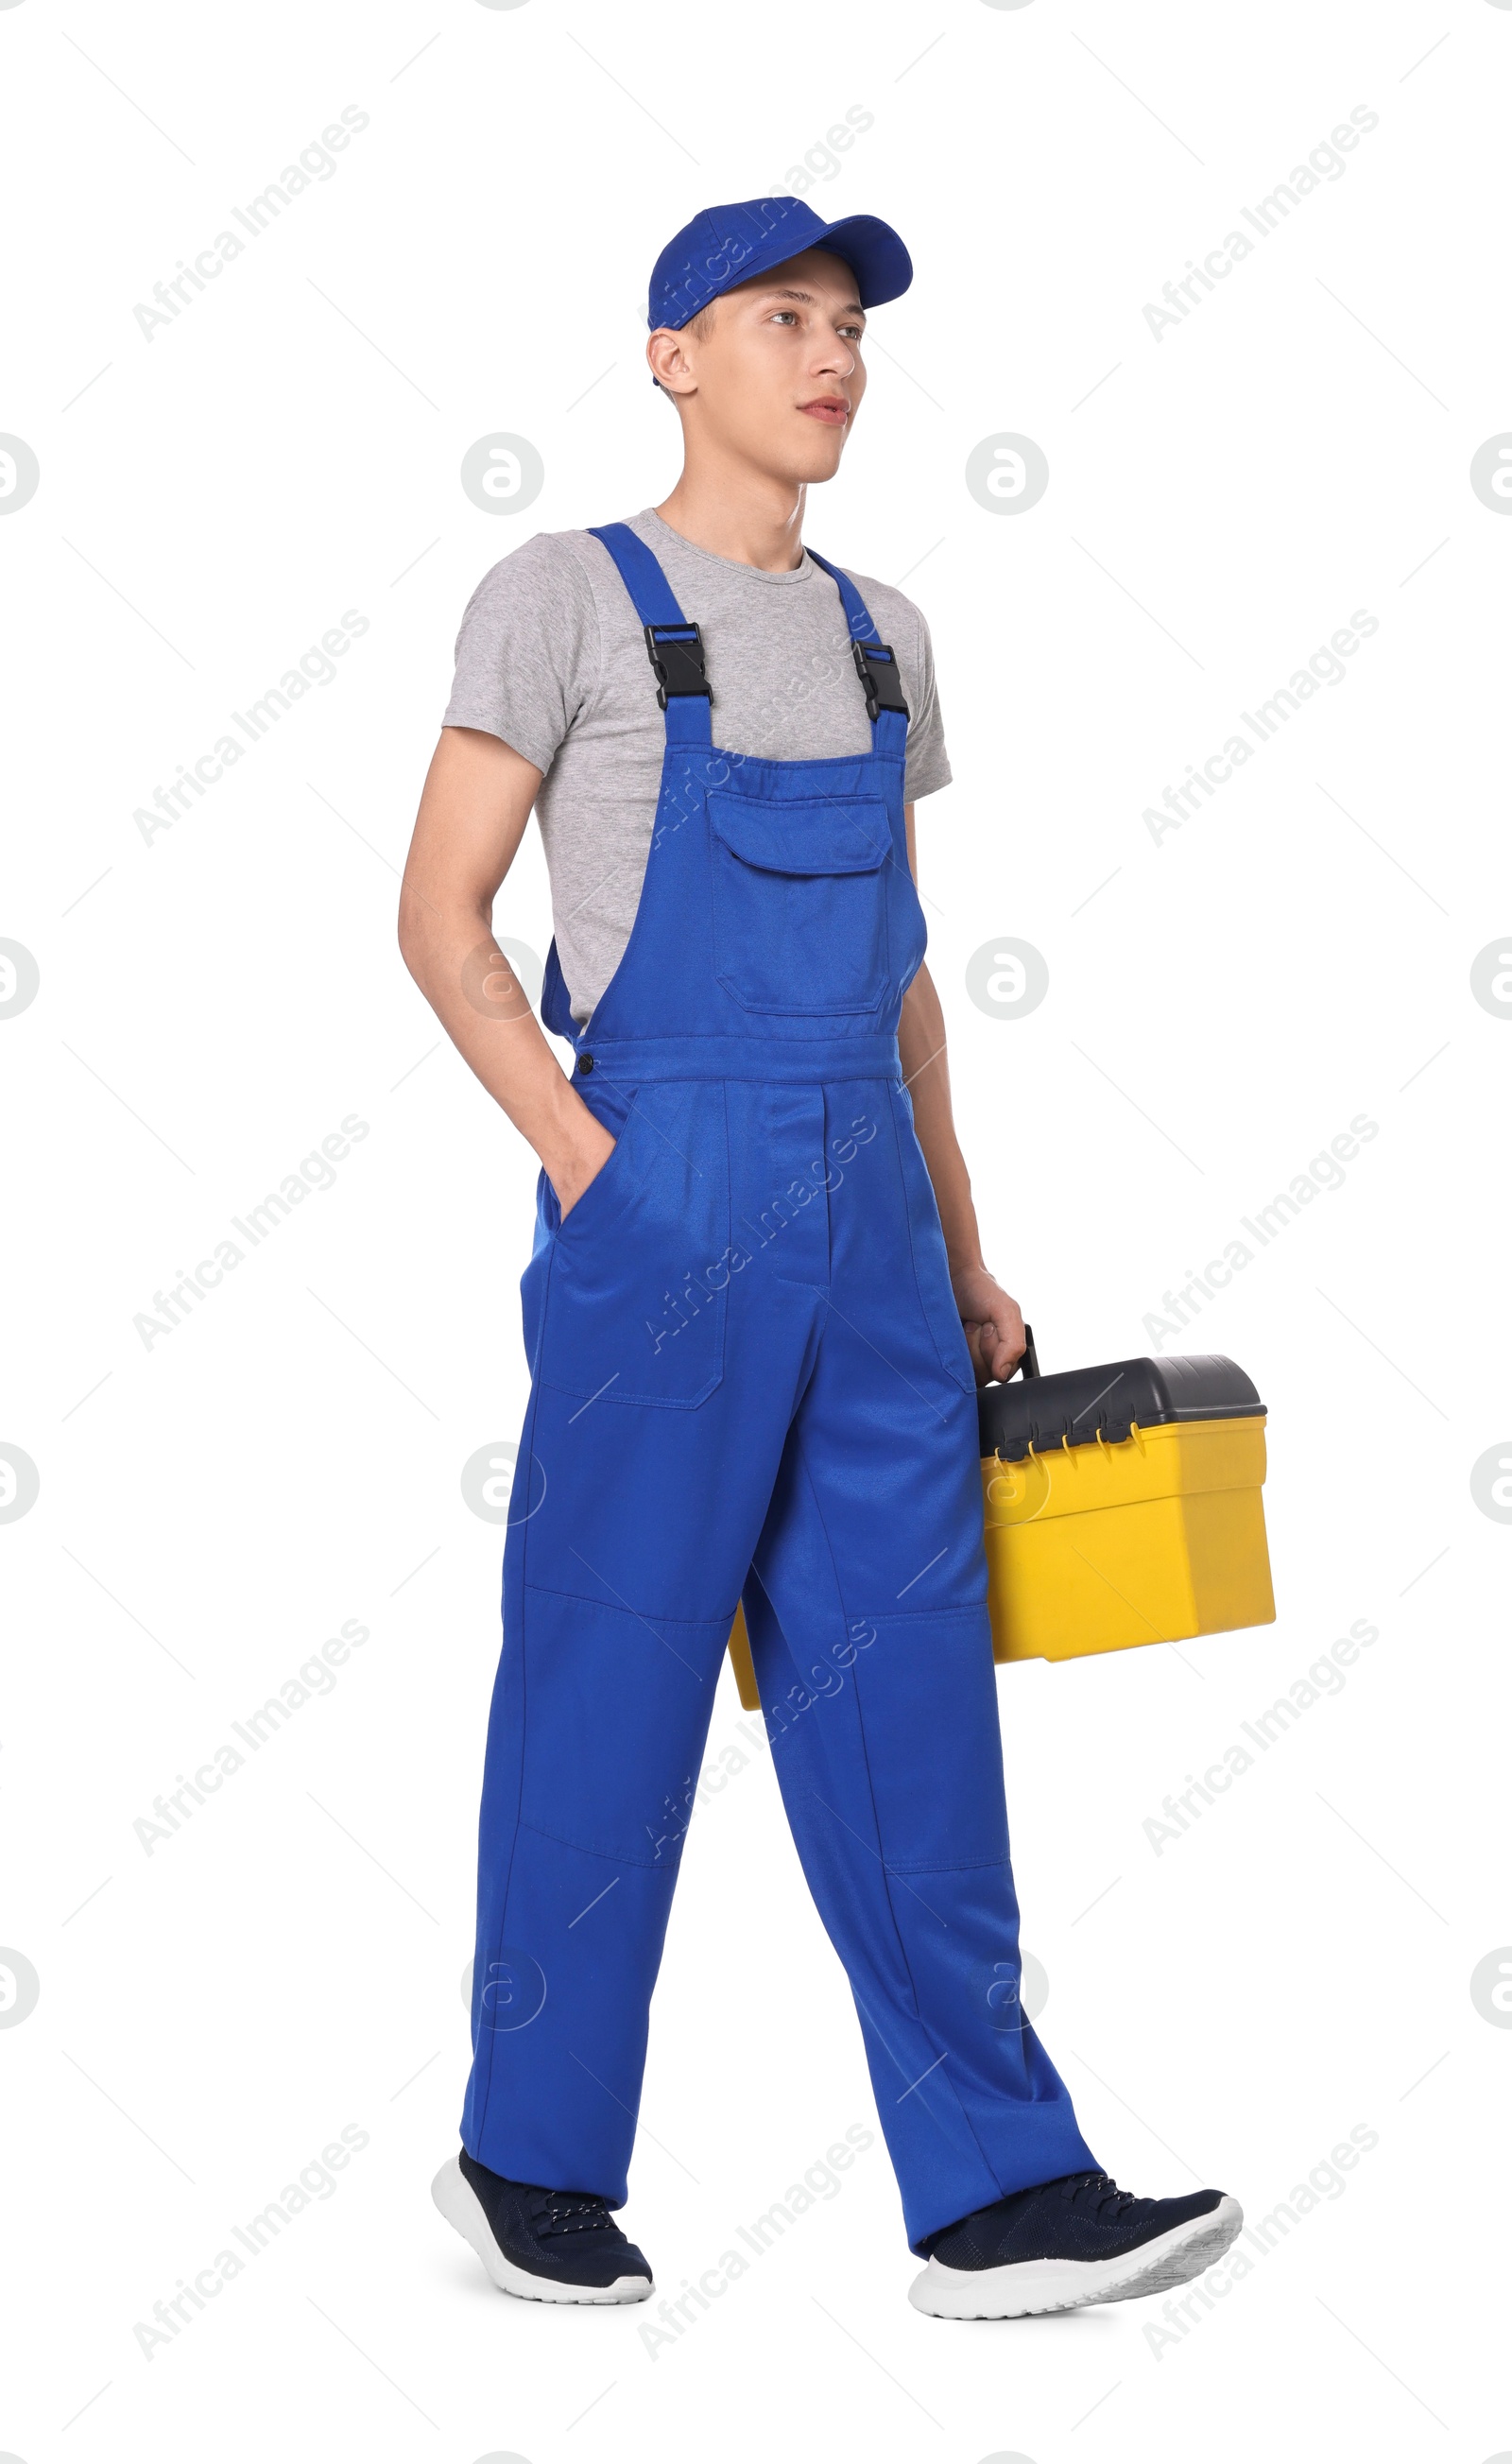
x: 755, y: 1316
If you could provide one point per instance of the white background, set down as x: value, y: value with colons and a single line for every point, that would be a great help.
x: 214, y: 1002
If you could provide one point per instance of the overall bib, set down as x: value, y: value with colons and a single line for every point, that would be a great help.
x: 749, y: 1382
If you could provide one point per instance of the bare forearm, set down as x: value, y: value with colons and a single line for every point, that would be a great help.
x: 455, y: 959
x: 994, y: 1322
x: 926, y: 1071
x: 473, y: 814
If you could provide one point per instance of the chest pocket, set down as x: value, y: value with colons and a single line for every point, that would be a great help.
x: 801, y: 903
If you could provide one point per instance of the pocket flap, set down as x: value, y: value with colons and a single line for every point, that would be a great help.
x: 810, y: 836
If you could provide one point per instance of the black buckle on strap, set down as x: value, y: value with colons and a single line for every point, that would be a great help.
x: 676, y: 652
x: 878, y: 671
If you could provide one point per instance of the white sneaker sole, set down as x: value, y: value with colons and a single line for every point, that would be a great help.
x: 1030, y: 2286
x: 459, y: 2203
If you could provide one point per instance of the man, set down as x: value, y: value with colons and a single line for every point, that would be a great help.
x: 756, y: 1314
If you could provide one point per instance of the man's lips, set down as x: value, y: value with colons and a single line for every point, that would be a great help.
x: 831, y: 408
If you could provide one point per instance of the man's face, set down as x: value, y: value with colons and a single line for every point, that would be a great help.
x: 778, y: 376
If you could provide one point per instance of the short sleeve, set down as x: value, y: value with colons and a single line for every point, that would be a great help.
x: 528, y: 655
x: 926, y: 767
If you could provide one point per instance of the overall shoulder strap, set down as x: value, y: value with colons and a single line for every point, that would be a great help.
x: 674, y: 647
x: 640, y: 574
x: 858, y: 616
x: 876, y: 665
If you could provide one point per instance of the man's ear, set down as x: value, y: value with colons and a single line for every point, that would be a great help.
x: 668, y: 360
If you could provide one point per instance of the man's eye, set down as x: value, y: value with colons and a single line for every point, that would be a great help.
x: 788, y: 313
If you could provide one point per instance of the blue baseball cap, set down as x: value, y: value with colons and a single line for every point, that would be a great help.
x: 728, y: 244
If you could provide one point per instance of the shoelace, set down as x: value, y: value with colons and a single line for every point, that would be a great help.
x: 1099, y: 2190
x: 564, y: 2211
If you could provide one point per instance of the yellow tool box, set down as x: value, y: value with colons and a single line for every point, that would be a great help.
x: 1121, y: 1505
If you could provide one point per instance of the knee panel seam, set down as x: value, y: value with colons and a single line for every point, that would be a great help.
x: 719, y: 1625
x: 608, y: 1855
x: 963, y: 1866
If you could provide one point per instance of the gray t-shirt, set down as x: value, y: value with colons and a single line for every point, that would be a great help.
x: 551, y: 658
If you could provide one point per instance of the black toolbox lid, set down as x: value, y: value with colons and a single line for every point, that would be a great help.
x: 1078, y: 1405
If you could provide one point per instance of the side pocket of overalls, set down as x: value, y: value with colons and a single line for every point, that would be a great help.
x: 532, y: 1282
x: 611, y: 1108
x: 634, y: 1302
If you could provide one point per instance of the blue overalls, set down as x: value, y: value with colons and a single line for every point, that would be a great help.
x: 749, y: 1382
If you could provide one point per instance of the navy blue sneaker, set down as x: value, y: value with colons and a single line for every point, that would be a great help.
x: 544, y: 2245
x: 1063, y: 2243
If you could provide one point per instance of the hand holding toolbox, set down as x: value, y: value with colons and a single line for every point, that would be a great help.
x: 1120, y: 1505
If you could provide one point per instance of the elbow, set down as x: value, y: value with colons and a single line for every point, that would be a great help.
x: 409, y: 934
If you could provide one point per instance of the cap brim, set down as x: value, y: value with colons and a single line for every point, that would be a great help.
x: 875, y: 254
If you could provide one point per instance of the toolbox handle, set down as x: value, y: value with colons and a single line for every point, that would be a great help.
x: 1029, y: 1366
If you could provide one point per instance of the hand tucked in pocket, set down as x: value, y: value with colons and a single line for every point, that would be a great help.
x: 583, y: 1162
